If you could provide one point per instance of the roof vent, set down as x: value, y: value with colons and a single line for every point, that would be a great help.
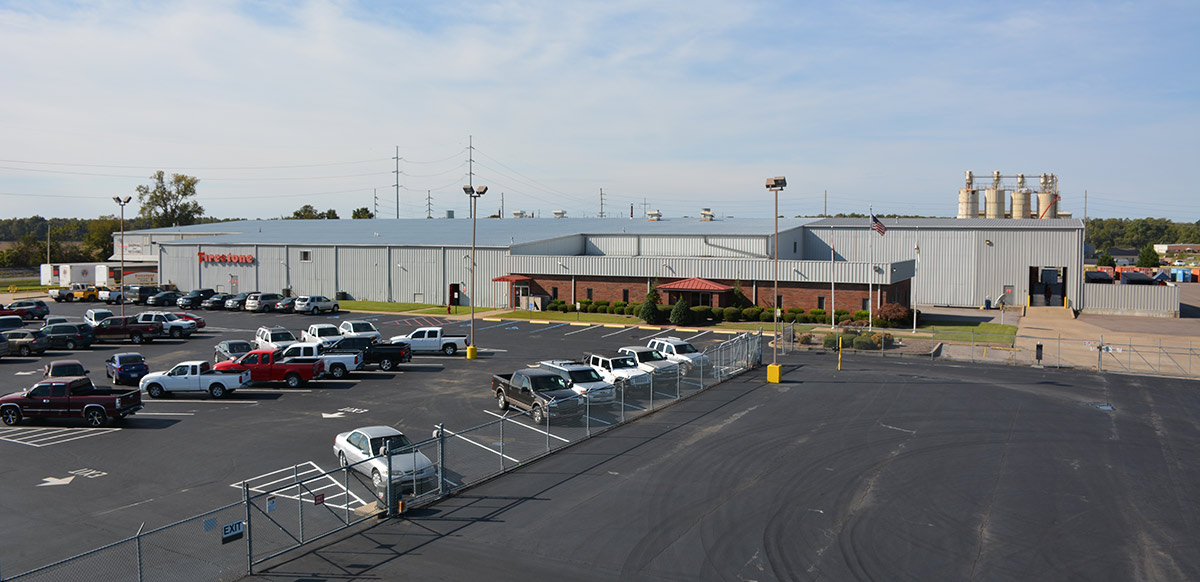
x: 449, y: 214
x: 654, y: 215
x: 518, y: 214
x: 706, y: 215
x: 560, y: 214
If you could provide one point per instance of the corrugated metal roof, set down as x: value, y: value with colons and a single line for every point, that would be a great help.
x: 455, y: 232
x: 1035, y: 223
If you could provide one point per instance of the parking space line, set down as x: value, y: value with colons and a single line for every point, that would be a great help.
x: 482, y: 446
x: 167, y: 413
x: 617, y: 332
x: 502, y: 324
x: 581, y: 330
x: 302, y: 469
x: 695, y: 336
x: 660, y: 332
x: 594, y: 419
x: 41, y: 437
x: 215, y: 401
x: 633, y: 406
x: 532, y: 428
x: 665, y: 395
x: 547, y: 328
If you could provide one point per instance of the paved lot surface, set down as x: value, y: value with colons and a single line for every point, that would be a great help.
x: 891, y: 470
x: 69, y: 488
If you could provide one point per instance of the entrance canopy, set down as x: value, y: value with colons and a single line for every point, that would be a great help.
x: 511, y: 278
x: 695, y: 284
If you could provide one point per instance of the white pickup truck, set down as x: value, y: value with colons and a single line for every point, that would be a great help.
x: 325, y: 334
x: 173, y: 325
x: 193, y: 377
x: 682, y: 353
x: 336, y: 364
x: 432, y: 339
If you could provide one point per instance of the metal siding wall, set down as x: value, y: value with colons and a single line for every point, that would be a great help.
x: 708, y: 268
x: 790, y: 239
x: 272, y: 273
x: 568, y: 245
x: 625, y: 245
x: 490, y: 264
x: 695, y: 246
x: 315, y: 277
x: 1145, y: 300
x: 178, y: 265
x: 418, y: 270
x: 214, y: 274
x: 363, y: 272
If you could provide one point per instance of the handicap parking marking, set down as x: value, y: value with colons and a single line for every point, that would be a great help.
x: 502, y: 324
x: 480, y: 445
x: 313, y: 478
x: 530, y: 427
x: 44, y: 437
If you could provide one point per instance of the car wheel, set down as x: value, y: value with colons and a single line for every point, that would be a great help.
x: 342, y: 459
x: 217, y: 391
x: 23, y: 350
x: 314, y: 311
x: 501, y: 401
x: 449, y: 349
x: 538, y: 416
x: 11, y: 416
x: 293, y: 380
x: 337, y: 371
x: 335, y: 309
x: 386, y: 364
x: 376, y: 478
x: 70, y: 344
x: 95, y: 417
x: 176, y: 333
x: 136, y: 338
x: 154, y: 390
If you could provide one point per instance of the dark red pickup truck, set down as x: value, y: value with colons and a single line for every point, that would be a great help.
x: 266, y: 366
x: 69, y: 397
x: 117, y: 328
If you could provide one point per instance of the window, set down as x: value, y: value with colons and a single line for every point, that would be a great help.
x: 306, y: 256
x: 820, y: 303
x: 866, y: 303
x: 795, y: 248
x: 589, y: 293
x: 779, y: 302
x: 625, y: 295
x: 554, y: 292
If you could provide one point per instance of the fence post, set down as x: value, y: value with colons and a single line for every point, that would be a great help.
x: 299, y: 498
x: 1159, y: 370
x: 652, y: 378
x: 441, y: 471
x: 1059, y: 363
x: 1100, y: 355
x: 502, y: 420
x: 972, y: 345
x: 587, y: 414
x: 346, y: 488
x: 249, y: 532
x: 388, y: 488
x: 139, y: 551
x: 546, y: 413
x: 627, y: 382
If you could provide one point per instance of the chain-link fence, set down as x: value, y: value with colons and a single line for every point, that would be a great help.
x: 281, y: 511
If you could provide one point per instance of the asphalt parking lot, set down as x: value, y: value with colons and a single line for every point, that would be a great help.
x: 70, y: 488
x: 887, y: 470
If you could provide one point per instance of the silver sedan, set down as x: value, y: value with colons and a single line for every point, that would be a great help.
x: 366, y: 450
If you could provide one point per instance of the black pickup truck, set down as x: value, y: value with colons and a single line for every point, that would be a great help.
x: 387, y: 355
x: 539, y: 391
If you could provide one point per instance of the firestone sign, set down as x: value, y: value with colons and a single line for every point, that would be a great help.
x: 224, y: 258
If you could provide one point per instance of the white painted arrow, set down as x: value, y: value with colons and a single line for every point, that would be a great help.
x: 334, y: 415
x: 56, y: 481
x: 30, y: 373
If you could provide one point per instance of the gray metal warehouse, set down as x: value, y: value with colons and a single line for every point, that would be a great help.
x: 962, y: 262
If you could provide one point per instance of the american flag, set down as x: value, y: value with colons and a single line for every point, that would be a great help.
x: 877, y: 226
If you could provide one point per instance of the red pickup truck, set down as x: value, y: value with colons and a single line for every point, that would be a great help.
x: 268, y: 366
x: 69, y: 397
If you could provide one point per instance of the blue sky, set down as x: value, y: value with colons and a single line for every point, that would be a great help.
x: 680, y: 105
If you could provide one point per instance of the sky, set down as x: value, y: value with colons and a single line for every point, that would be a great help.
x: 659, y: 105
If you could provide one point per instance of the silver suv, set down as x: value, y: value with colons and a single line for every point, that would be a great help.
x: 262, y: 302
x: 584, y: 380
x: 315, y: 304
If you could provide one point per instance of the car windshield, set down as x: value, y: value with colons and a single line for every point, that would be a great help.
x: 394, y: 444
x: 685, y: 349
x: 282, y: 336
x: 548, y: 383
x: 324, y: 331
x: 67, y: 370
x: 129, y: 359
x: 362, y: 326
x: 651, y: 356
x: 237, y: 347
x: 627, y: 362
x: 588, y: 375
x: 172, y: 317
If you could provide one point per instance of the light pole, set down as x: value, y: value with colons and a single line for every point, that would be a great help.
x: 474, y: 193
x: 773, y: 373
x: 122, y: 202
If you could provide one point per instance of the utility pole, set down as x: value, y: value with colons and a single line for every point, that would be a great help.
x: 602, y: 203
x: 375, y: 196
x: 429, y: 204
x: 397, y: 158
x: 471, y: 171
x: 645, y: 206
x: 501, y: 215
x: 825, y: 212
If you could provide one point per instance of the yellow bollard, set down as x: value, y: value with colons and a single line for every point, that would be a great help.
x: 472, y: 353
x: 774, y: 373
x: 839, y: 353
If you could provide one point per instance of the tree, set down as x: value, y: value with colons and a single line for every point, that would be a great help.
x: 307, y: 212
x: 1105, y: 260
x: 99, y: 240
x: 681, y: 315
x: 169, y: 204
x: 363, y: 212
x: 1148, y: 258
x: 649, y: 312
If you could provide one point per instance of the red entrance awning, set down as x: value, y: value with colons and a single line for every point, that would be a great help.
x: 695, y: 284
x: 512, y: 278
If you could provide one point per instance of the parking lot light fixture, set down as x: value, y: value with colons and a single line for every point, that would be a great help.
x: 773, y: 373
x: 121, y: 283
x: 474, y: 193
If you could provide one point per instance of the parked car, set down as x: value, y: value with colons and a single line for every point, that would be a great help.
x: 87, y: 293
x: 126, y: 368
x: 69, y: 397
x: 33, y: 308
x: 262, y: 302
x: 113, y: 296
x: 164, y: 298
x: 314, y: 304
x: 323, y: 333
x: 273, y: 338
x: 70, y: 336
x: 267, y: 366
x: 95, y: 316
x: 584, y: 380
x: 388, y: 356
x: 26, y: 342
x: 69, y: 293
x: 286, y: 305
x: 651, y: 361
x: 192, y: 299
x: 200, y: 323
x: 196, y: 376
x: 359, y: 328
x: 338, y: 364
x: 215, y: 302
x: 5, y: 347
x: 11, y: 322
x: 619, y: 369
x: 49, y: 321
x: 367, y: 449
x: 682, y: 353
x: 231, y: 350
x: 64, y: 368
x: 542, y: 392
x: 236, y: 302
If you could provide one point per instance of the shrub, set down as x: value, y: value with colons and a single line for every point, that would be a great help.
x: 732, y: 314
x: 602, y: 303
x: 816, y: 312
x: 861, y: 315
x: 767, y: 316
x: 649, y: 310
x: 680, y: 314
x: 894, y: 313
x: 805, y: 338
x: 751, y: 313
x: 701, y: 314
x: 795, y: 310
x: 570, y: 308
x: 562, y: 307
x: 630, y: 310
x: 789, y: 317
x: 840, y: 313
x: 844, y: 317
x: 620, y: 304
x: 865, y: 342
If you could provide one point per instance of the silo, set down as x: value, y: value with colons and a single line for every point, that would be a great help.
x: 1020, y: 203
x: 993, y: 203
x: 968, y: 203
x: 1047, y: 205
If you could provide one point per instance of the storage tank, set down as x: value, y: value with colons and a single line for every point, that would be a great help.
x: 1020, y: 203
x: 968, y: 203
x: 1047, y: 205
x: 993, y: 203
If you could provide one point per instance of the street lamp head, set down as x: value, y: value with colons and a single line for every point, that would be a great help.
x: 117, y: 199
x: 778, y: 182
x: 468, y: 190
x: 481, y: 190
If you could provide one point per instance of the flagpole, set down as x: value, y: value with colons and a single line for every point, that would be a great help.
x: 913, y: 284
x: 871, y: 274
